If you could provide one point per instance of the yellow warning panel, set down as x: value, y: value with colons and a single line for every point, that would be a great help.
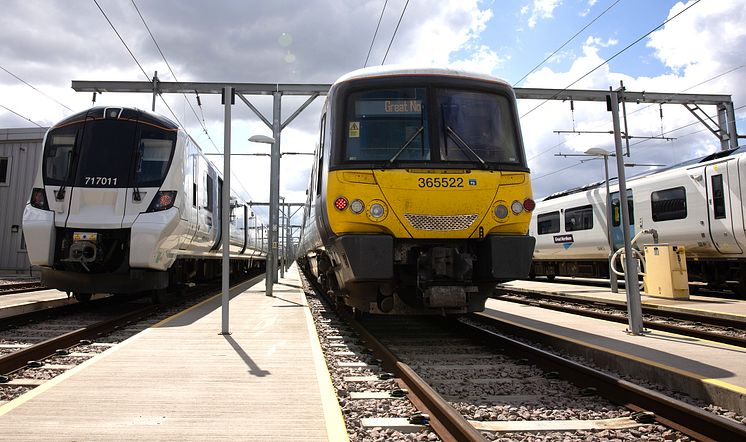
x: 354, y: 129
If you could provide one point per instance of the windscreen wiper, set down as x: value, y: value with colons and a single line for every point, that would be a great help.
x: 136, y: 190
x: 60, y: 194
x: 462, y: 145
x: 409, y: 141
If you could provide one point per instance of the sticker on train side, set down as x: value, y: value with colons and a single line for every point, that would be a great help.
x: 559, y: 239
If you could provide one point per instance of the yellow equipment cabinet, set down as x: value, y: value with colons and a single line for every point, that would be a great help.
x: 665, y: 271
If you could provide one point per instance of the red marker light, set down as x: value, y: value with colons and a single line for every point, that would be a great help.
x: 529, y: 204
x: 341, y: 203
x: 165, y: 200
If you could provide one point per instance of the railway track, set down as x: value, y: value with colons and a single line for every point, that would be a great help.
x: 718, y: 329
x: 468, y: 383
x: 20, y: 287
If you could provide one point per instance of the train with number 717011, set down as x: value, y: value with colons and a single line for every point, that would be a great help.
x: 124, y: 201
x: 420, y: 196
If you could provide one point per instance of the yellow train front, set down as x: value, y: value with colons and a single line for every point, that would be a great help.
x: 420, y: 197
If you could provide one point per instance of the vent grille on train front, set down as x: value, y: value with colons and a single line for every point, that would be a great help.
x: 440, y: 222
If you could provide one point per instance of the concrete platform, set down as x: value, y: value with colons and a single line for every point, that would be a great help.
x: 717, y: 307
x: 26, y: 302
x: 182, y: 380
x: 703, y: 369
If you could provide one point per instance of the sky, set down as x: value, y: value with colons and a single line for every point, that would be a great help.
x: 47, y: 44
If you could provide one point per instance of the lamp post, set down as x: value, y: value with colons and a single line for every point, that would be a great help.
x: 597, y: 151
x: 271, y: 270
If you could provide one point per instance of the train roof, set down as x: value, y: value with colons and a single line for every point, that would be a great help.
x: 414, y: 70
x: 710, y: 157
x: 132, y: 113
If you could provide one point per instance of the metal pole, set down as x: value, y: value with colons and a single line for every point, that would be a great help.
x: 283, y: 239
x: 634, y: 307
x: 155, y: 89
x: 730, y: 116
x: 612, y: 276
x: 274, y: 194
x: 225, y: 227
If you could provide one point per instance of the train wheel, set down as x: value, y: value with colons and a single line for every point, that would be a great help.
x: 82, y: 297
x: 550, y: 278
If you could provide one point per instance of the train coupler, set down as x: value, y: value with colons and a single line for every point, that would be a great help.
x: 448, y: 296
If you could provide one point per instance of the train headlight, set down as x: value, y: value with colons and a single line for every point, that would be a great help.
x: 39, y: 199
x: 377, y: 211
x: 163, y: 200
x: 501, y: 212
x: 357, y: 207
x: 341, y: 203
x: 516, y: 207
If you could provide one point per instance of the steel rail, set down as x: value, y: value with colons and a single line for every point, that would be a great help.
x: 688, y: 419
x: 670, y: 328
x: 447, y: 423
x: 20, y: 287
x: 19, y: 359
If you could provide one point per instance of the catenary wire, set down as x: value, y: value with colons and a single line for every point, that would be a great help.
x: 22, y: 116
x: 375, y: 33
x: 612, y: 57
x: 163, y: 56
x: 566, y: 43
x: 395, y: 31
x: 34, y: 88
x: 643, y: 108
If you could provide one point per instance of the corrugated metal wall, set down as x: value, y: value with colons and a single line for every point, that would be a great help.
x: 23, y: 148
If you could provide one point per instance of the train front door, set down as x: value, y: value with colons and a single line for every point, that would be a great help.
x: 719, y: 208
x: 616, y: 219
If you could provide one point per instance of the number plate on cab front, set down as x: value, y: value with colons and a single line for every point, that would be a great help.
x: 85, y: 236
x: 442, y: 182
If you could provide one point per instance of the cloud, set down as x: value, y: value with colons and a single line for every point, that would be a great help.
x: 540, y: 9
x: 696, y: 47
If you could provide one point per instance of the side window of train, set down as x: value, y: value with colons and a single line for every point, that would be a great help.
x: 668, y: 204
x: 579, y: 218
x: 195, y: 174
x: 548, y: 223
x: 616, y: 212
x: 320, y: 164
x: 718, y: 196
x: 208, y: 189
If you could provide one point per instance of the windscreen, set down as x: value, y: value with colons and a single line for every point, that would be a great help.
x: 59, y: 153
x: 387, y: 125
x: 108, y: 153
x: 476, y: 126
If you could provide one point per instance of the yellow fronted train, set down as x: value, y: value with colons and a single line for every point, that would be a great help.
x: 420, y: 198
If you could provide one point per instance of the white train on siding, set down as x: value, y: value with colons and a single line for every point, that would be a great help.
x: 124, y: 201
x: 698, y: 204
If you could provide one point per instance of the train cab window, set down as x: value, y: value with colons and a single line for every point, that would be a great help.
x: 208, y: 189
x: 386, y: 125
x: 4, y: 171
x: 668, y: 204
x: 579, y: 218
x: 58, y: 155
x: 718, y: 196
x: 476, y: 126
x: 548, y: 223
x: 153, y: 156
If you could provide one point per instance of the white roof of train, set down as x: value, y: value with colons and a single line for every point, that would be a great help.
x: 386, y: 70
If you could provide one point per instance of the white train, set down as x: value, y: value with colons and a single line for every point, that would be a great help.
x: 124, y: 201
x: 698, y: 204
